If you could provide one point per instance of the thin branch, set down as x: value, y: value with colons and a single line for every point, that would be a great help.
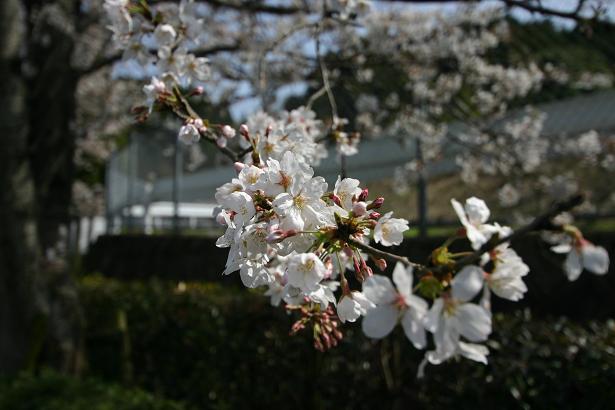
x: 533, y: 7
x: 383, y: 254
x: 325, y: 75
x: 114, y: 58
x: 541, y: 222
x: 260, y: 73
x: 256, y: 7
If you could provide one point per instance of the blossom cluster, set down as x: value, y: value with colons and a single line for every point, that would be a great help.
x: 161, y: 37
x: 309, y: 244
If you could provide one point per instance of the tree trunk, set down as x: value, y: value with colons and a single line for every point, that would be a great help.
x: 39, y: 308
x: 19, y: 246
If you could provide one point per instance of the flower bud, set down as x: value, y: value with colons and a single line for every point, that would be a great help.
x: 221, y: 142
x: 239, y: 166
x: 363, y: 195
x: 228, y: 131
x: 377, y: 203
x: 336, y: 200
x: 220, y: 218
x: 381, y: 263
x: 278, y: 235
x: 359, y: 208
x: 243, y: 130
x: 375, y: 215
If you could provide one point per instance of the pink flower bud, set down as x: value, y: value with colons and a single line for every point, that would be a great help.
x: 363, y: 195
x: 347, y: 251
x: 199, y: 90
x: 221, y: 142
x: 239, y: 166
x: 336, y: 200
x: 377, y: 203
x: 228, y: 131
x: 381, y: 263
x: 268, y: 130
x: 279, y: 235
x: 375, y: 215
x: 220, y: 218
x: 359, y: 208
x: 198, y: 123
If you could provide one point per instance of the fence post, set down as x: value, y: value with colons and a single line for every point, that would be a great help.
x: 421, y: 187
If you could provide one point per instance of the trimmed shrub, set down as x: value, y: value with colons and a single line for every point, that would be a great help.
x: 221, y: 347
x: 52, y: 391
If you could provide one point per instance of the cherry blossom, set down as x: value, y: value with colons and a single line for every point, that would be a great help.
x: 393, y: 306
x: 583, y: 254
x: 389, y: 231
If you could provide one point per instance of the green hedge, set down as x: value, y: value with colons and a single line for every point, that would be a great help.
x: 213, y: 346
x: 51, y: 391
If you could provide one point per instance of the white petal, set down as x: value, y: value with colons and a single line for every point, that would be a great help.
x: 467, y: 283
x: 461, y: 213
x: 475, y: 352
x: 446, y: 337
x: 379, y: 290
x: 561, y: 248
x: 417, y: 305
x: 435, y: 357
x: 402, y: 278
x: 379, y: 322
x: 432, y: 318
x: 474, y: 322
x: 573, y: 266
x: 595, y: 259
x: 414, y: 330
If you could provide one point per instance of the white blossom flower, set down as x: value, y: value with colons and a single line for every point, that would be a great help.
x: 165, y: 35
x: 285, y: 175
x: 152, y: 90
x: 345, y: 189
x: 242, y: 205
x: 189, y: 134
x: 250, y: 176
x: 302, y: 204
x: 352, y: 306
x: 473, y: 217
x: 451, y: 316
x: 583, y: 254
x: 305, y: 271
x: 506, y: 280
x: 389, y: 231
x: 195, y: 69
x: 393, y: 306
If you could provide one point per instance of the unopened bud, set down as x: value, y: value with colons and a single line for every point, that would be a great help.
x: 239, y: 166
x: 359, y: 208
x: 377, y: 203
x: 220, y: 218
x: 268, y: 130
x: 221, y: 142
x: 243, y: 130
x: 381, y: 263
x: 327, y: 339
x: 279, y: 235
x: 336, y: 199
x: 375, y: 215
x: 363, y: 195
x: 197, y: 91
x: 228, y: 131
